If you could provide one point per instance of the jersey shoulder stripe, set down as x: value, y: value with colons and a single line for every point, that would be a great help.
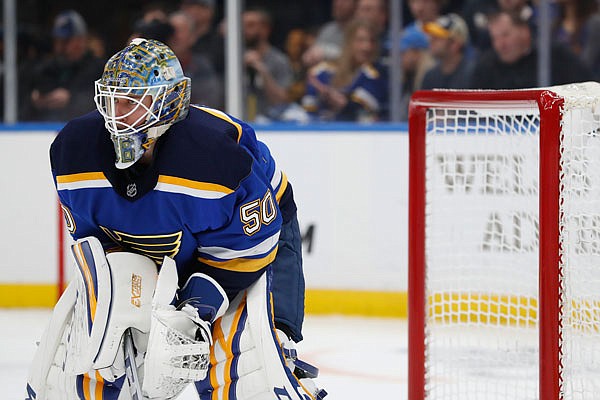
x: 192, y: 188
x: 82, y: 180
x: 220, y: 114
x: 171, y: 184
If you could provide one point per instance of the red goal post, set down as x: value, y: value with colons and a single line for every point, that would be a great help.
x: 504, y: 299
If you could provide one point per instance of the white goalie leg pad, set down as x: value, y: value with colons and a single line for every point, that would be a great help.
x: 179, y: 342
x: 247, y: 361
x: 114, y: 293
x: 42, y: 382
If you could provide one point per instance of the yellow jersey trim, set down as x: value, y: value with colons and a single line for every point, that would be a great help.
x: 187, y: 183
x: 242, y: 264
x: 82, y: 176
x: 224, y: 117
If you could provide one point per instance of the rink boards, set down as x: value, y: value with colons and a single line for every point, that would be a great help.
x: 350, y: 183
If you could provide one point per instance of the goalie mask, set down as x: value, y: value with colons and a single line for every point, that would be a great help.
x: 141, y: 93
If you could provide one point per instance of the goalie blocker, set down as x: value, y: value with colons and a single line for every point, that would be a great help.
x: 81, y: 354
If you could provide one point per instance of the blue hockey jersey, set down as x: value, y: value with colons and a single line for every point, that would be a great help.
x: 209, y: 199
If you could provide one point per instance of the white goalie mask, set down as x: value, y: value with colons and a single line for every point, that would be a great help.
x: 141, y: 93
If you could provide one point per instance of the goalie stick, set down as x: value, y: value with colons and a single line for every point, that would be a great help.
x: 135, y: 389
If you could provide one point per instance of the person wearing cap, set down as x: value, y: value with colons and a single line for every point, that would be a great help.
x: 62, y: 87
x: 415, y: 60
x: 448, y: 41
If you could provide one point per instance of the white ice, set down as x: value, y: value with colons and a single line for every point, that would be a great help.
x: 358, y: 358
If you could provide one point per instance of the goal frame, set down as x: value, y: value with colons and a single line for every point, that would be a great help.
x: 550, y: 106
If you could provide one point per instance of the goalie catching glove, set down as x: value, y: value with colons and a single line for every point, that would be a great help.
x: 179, y: 344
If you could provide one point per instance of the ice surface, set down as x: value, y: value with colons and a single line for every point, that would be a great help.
x: 358, y: 358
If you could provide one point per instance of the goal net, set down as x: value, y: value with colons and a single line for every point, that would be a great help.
x: 504, y: 244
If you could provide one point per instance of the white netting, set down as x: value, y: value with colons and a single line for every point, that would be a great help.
x: 482, y: 246
x: 580, y: 244
x: 481, y: 254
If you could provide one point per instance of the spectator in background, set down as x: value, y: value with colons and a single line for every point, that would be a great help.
x: 578, y: 27
x: 448, y: 40
x: 415, y: 60
x: 424, y: 11
x: 475, y: 13
x: 330, y: 39
x: 154, y: 11
x: 512, y: 61
x: 97, y: 45
x: 268, y: 74
x: 61, y: 87
x: 297, y: 43
x: 154, y: 29
x: 207, y: 86
x: 152, y: 23
x: 353, y: 87
x: 376, y: 12
x: 208, y: 41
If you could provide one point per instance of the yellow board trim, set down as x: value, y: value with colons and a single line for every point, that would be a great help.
x: 318, y: 301
x: 482, y: 309
x: 20, y: 295
x: 357, y: 302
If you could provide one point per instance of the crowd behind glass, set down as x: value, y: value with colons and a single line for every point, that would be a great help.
x: 337, y: 71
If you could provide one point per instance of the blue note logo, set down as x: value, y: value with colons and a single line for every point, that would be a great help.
x: 153, y: 246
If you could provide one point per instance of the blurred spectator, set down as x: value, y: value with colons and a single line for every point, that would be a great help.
x: 512, y: 62
x: 415, y: 60
x: 208, y: 41
x: 154, y: 29
x: 296, y: 45
x: 577, y: 26
x: 353, y: 87
x: 448, y: 40
x: 207, y: 86
x: 475, y: 13
x: 268, y: 74
x: 97, y: 45
x: 328, y: 45
x: 376, y: 12
x: 152, y: 24
x: 424, y: 11
x: 154, y: 11
x: 62, y: 87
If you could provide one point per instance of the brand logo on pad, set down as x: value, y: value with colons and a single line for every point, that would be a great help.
x: 136, y: 290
